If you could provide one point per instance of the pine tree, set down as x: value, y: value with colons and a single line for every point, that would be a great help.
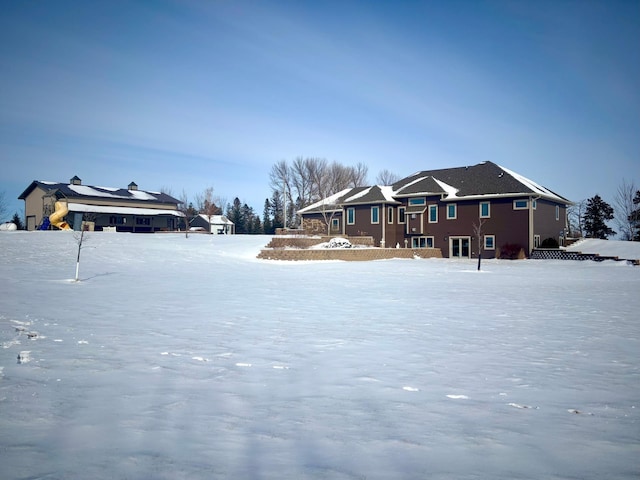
x: 595, y: 217
x: 635, y: 217
x: 277, y: 211
x: 267, y: 226
x: 18, y: 221
x: 234, y: 213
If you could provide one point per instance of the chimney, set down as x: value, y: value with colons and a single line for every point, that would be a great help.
x: 133, y: 186
x: 75, y: 180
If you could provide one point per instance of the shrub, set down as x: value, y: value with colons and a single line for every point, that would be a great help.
x: 510, y: 251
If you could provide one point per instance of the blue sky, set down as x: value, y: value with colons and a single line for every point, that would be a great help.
x: 191, y: 94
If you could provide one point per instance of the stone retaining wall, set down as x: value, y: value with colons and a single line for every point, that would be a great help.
x: 554, y: 254
x: 348, y: 254
x: 306, y: 242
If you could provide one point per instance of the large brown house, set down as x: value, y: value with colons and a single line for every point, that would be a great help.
x: 69, y: 206
x: 448, y: 209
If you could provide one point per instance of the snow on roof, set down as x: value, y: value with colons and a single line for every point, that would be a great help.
x: 406, y: 185
x: 331, y: 200
x: 83, y: 207
x: 141, y: 195
x: 358, y: 195
x: 533, y: 185
x: 91, y: 192
x: 387, y: 192
x: 452, y: 192
x: 216, y: 219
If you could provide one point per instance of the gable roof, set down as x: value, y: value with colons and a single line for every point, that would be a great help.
x: 87, y: 192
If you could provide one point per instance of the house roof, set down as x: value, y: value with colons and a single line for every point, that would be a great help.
x: 485, y: 179
x: 216, y: 219
x: 87, y: 192
x: 85, y: 208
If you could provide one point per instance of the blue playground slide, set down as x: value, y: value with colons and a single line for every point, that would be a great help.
x: 45, y: 224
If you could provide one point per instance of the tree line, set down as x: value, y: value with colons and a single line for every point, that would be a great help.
x: 589, y: 217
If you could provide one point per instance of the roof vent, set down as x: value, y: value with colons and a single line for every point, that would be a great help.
x: 75, y: 180
x: 133, y: 186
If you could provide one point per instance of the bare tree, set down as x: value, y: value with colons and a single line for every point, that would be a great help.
x: 477, y: 231
x: 3, y: 206
x: 166, y: 189
x: 625, y: 208
x: 359, y: 175
x: 206, y: 205
x: 385, y: 177
x: 79, y: 240
x: 188, y: 211
x: 575, y: 218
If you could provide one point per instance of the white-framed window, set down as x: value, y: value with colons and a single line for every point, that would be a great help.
x: 375, y: 214
x: 401, y: 215
x: 534, y: 204
x: 421, y: 242
x: 418, y: 201
x: 520, y: 204
x: 390, y: 215
x: 335, y: 224
x: 452, y: 211
x: 485, y: 209
x: 351, y: 216
x: 557, y: 212
x: 536, y: 241
x: 489, y: 242
x: 433, y: 213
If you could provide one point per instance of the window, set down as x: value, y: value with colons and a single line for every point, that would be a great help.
x: 143, y: 221
x: 557, y: 212
x: 452, y: 211
x: 390, y: 215
x: 485, y: 210
x: 401, y: 211
x: 489, y: 242
x: 375, y: 214
x: 536, y: 241
x: 335, y: 224
x: 117, y: 220
x: 433, y: 213
x: 418, y: 201
x: 520, y: 204
x: 534, y: 203
x: 351, y: 216
x: 422, y: 242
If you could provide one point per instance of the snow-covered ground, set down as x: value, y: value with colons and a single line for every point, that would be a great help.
x: 608, y: 248
x: 180, y: 358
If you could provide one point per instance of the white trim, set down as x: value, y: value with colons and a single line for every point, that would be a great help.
x: 86, y: 208
x: 375, y: 208
x: 429, y: 213
x: 493, y: 238
x: 526, y: 206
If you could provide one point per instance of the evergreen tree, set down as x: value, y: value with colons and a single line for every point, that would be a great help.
x: 277, y: 211
x: 595, y: 217
x: 267, y: 226
x: 18, y: 221
x: 234, y: 213
x: 635, y: 217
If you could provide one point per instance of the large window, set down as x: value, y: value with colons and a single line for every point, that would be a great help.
x: 520, y: 204
x: 401, y: 211
x: 485, y: 210
x: 433, y: 213
x: 418, y: 201
x: 422, y: 242
x: 452, y: 211
x: 375, y: 214
x: 351, y: 216
x: 489, y: 242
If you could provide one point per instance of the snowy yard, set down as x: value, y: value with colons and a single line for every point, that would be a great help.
x: 180, y: 358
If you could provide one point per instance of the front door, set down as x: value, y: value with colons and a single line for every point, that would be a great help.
x: 459, y: 247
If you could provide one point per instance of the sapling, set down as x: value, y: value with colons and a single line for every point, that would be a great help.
x: 79, y: 239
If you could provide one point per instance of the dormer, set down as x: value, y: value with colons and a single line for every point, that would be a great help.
x: 75, y: 180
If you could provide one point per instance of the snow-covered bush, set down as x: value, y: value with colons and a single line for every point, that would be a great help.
x: 339, y: 242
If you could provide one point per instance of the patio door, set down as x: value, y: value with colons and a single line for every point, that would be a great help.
x: 459, y: 247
